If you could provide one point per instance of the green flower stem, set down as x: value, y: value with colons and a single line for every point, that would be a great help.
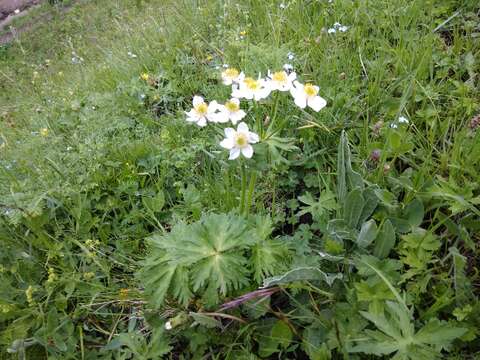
x: 251, y: 188
x: 244, y: 189
x: 275, y: 109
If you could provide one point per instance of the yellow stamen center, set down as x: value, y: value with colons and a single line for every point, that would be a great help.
x: 241, y: 140
x: 231, y: 73
x: 201, y: 109
x: 280, y: 76
x: 252, y: 84
x: 231, y: 106
x: 310, y: 90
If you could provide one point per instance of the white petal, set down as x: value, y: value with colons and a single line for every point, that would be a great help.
x: 235, y: 101
x: 191, y: 113
x: 298, y: 86
x: 317, y: 103
x: 220, y: 117
x: 234, y: 153
x: 227, y: 143
x: 236, y: 92
x: 247, y: 151
x: 213, y: 106
x: 202, y: 122
x: 253, y: 138
x: 227, y: 80
x: 300, y: 100
x: 229, y: 133
x: 292, y: 77
x: 242, y: 127
x: 237, y: 116
x: 197, y: 100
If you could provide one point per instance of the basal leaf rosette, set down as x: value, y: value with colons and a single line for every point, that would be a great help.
x: 211, y: 254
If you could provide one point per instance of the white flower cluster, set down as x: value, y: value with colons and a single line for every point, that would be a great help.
x: 239, y: 141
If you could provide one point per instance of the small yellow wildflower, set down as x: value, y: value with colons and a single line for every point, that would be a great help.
x: 145, y: 76
x: 123, y: 294
x: 243, y: 33
x: 209, y: 58
x: 44, y: 131
x: 89, y: 275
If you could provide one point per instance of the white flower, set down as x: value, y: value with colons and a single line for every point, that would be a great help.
x: 17, y: 11
x: 231, y: 75
x: 132, y: 55
x: 403, y: 120
x: 283, y: 6
x: 202, y: 112
x: 307, y: 95
x: 281, y: 80
x: 250, y: 88
x: 230, y: 111
x: 168, y: 325
x: 337, y: 26
x: 393, y: 126
x: 290, y: 55
x: 238, y: 141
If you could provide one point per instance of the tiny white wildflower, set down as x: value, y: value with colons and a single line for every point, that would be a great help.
x: 17, y: 11
x: 283, y: 6
x: 230, y: 76
x: 290, y: 55
x: 337, y: 26
x: 238, y: 141
x: 168, y: 325
x: 403, y: 120
x: 230, y: 111
x: 281, y: 80
x: 393, y: 126
x: 250, y: 88
x: 202, y: 112
x: 307, y: 95
x: 132, y: 55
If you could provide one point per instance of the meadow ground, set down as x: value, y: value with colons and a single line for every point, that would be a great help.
x: 351, y: 233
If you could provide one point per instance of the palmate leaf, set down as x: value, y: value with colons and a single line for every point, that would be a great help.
x: 396, y: 334
x: 269, y: 256
x: 207, y: 256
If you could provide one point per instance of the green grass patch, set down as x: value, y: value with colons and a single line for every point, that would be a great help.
x: 126, y: 233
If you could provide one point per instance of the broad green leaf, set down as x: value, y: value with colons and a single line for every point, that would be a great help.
x: 353, y: 207
x: 281, y: 333
x: 370, y: 204
x: 368, y: 233
x: 385, y: 240
x: 440, y: 333
x: 155, y: 203
x: 414, y: 213
x: 347, y: 179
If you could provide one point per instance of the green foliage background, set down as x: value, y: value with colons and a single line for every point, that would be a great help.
x: 374, y: 256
